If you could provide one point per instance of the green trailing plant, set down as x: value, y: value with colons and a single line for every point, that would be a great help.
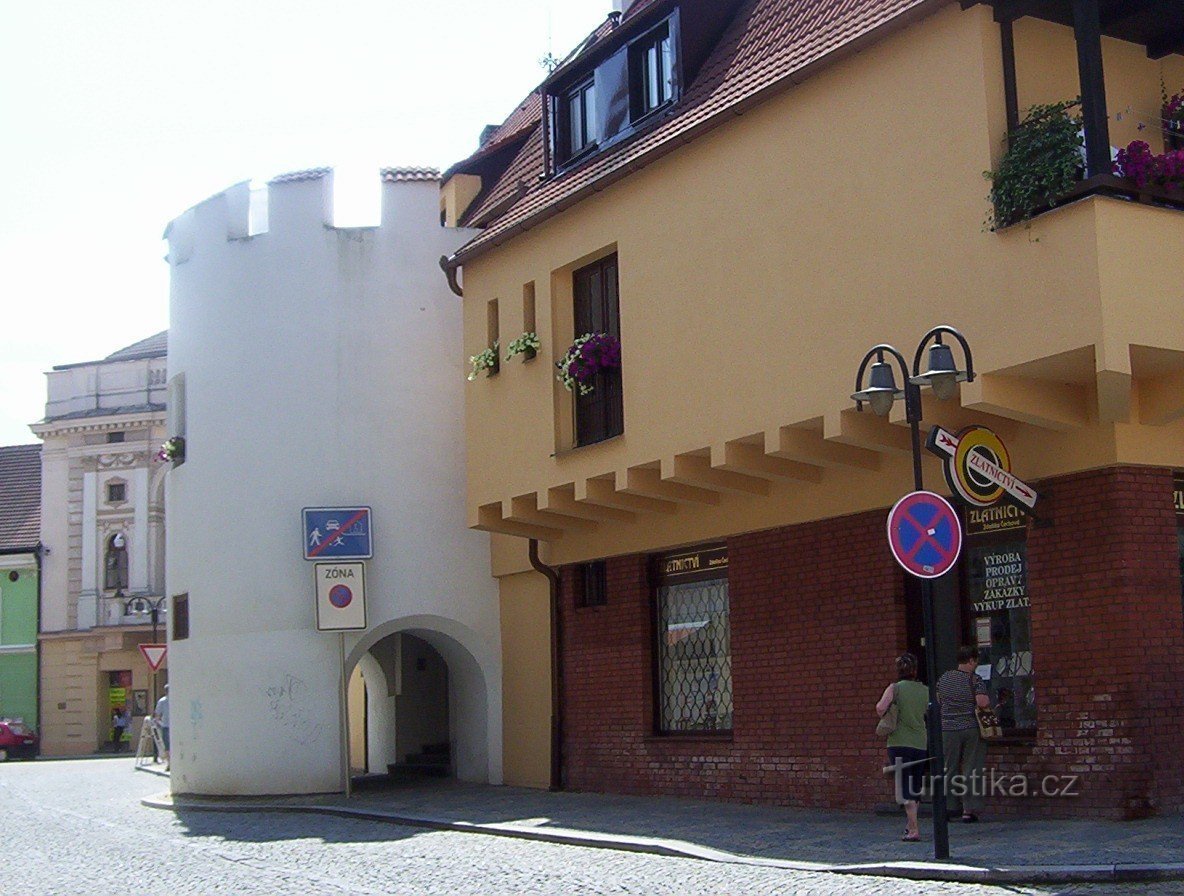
x: 486, y: 360
x: 1042, y: 163
x: 527, y: 344
x: 172, y: 450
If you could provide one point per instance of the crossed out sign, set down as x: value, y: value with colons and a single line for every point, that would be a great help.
x: 924, y: 534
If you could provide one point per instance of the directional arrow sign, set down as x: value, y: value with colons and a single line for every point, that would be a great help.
x: 154, y: 655
x: 978, y: 467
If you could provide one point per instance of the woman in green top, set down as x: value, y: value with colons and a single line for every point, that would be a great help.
x: 907, y: 744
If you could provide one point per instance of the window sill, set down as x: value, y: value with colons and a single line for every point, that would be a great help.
x: 564, y: 452
x: 689, y: 737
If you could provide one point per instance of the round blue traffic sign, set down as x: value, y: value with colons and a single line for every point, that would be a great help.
x: 340, y: 596
x: 924, y: 534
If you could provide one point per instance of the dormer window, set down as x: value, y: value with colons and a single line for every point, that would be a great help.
x: 578, y: 125
x: 607, y: 104
x: 651, y: 72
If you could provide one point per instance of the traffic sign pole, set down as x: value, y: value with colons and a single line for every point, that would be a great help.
x: 941, y: 823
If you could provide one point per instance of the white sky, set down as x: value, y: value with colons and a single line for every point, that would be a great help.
x: 117, y: 115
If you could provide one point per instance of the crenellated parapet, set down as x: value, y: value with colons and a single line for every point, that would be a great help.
x: 294, y: 203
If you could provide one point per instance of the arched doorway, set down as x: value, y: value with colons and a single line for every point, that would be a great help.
x: 418, y: 705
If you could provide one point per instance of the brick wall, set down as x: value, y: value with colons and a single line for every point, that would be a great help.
x: 817, y: 616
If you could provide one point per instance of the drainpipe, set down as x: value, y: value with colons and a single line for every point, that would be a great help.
x: 556, y: 666
x: 39, y: 552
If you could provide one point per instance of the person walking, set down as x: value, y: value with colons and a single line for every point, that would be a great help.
x: 161, y: 718
x: 907, y: 749
x: 960, y: 691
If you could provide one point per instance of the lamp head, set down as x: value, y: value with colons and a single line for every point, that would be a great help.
x: 943, y: 376
x: 881, y: 390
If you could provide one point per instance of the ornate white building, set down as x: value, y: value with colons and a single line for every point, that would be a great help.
x: 102, y: 527
x: 318, y: 366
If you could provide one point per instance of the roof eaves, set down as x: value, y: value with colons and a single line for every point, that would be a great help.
x: 491, y: 148
x: 483, y: 243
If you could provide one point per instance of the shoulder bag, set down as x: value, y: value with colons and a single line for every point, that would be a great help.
x: 891, y: 716
x: 988, y: 723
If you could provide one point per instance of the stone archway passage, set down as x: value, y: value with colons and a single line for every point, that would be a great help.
x: 419, y: 704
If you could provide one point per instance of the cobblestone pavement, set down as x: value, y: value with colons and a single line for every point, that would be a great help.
x: 77, y: 827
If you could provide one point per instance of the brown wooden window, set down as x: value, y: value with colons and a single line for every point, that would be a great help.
x: 577, y: 120
x: 592, y: 584
x: 599, y: 414
x: 180, y: 616
x: 651, y: 64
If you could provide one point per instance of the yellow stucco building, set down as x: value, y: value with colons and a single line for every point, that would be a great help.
x: 746, y: 197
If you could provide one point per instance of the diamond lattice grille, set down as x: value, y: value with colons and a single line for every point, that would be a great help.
x: 695, y: 657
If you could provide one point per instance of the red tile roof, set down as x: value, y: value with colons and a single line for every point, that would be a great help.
x: 770, y: 46
x: 20, y: 496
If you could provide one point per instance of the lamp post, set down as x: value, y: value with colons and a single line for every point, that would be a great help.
x: 143, y: 606
x: 881, y: 393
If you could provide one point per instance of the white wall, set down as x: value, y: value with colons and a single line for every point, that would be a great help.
x: 322, y: 367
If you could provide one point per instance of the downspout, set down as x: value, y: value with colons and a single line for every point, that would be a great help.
x: 38, y: 551
x: 556, y: 666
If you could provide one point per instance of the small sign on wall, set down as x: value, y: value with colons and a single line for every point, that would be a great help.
x: 341, y: 596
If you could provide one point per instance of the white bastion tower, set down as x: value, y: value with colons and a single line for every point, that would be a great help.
x: 313, y: 366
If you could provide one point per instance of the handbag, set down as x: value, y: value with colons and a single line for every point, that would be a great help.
x: 890, y: 718
x: 988, y: 723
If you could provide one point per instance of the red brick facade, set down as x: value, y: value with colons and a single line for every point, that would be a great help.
x: 817, y: 617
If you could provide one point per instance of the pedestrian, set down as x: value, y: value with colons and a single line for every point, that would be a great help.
x: 960, y: 691
x: 161, y: 718
x: 120, y: 721
x: 907, y: 748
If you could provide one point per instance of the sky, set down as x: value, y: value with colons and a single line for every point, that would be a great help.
x: 117, y: 115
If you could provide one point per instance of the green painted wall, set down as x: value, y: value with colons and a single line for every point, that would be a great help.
x: 18, y: 687
x: 18, y: 607
x: 18, y: 626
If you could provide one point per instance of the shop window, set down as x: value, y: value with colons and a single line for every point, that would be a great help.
x: 599, y: 415
x: 592, y: 584
x: 115, y: 564
x: 651, y: 72
x: 996, y: 568
x: 1178, y: 500
x: 693, y: 688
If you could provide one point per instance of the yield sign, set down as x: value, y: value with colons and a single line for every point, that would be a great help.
x: 924, y: 534
x: 154, y: 655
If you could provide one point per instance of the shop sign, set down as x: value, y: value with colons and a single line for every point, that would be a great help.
x: 978, y: 467
x: 1005, y: 581
x: 698, y: 563
x: 1178, y: 497
x: 999, y: 518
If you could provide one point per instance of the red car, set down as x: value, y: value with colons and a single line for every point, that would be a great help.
x: 16, y: 740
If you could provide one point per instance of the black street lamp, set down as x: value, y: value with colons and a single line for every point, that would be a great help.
x: 881, y: 393
x: 143, y: 606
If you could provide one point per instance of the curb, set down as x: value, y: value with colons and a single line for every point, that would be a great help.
x: 948, y: 872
